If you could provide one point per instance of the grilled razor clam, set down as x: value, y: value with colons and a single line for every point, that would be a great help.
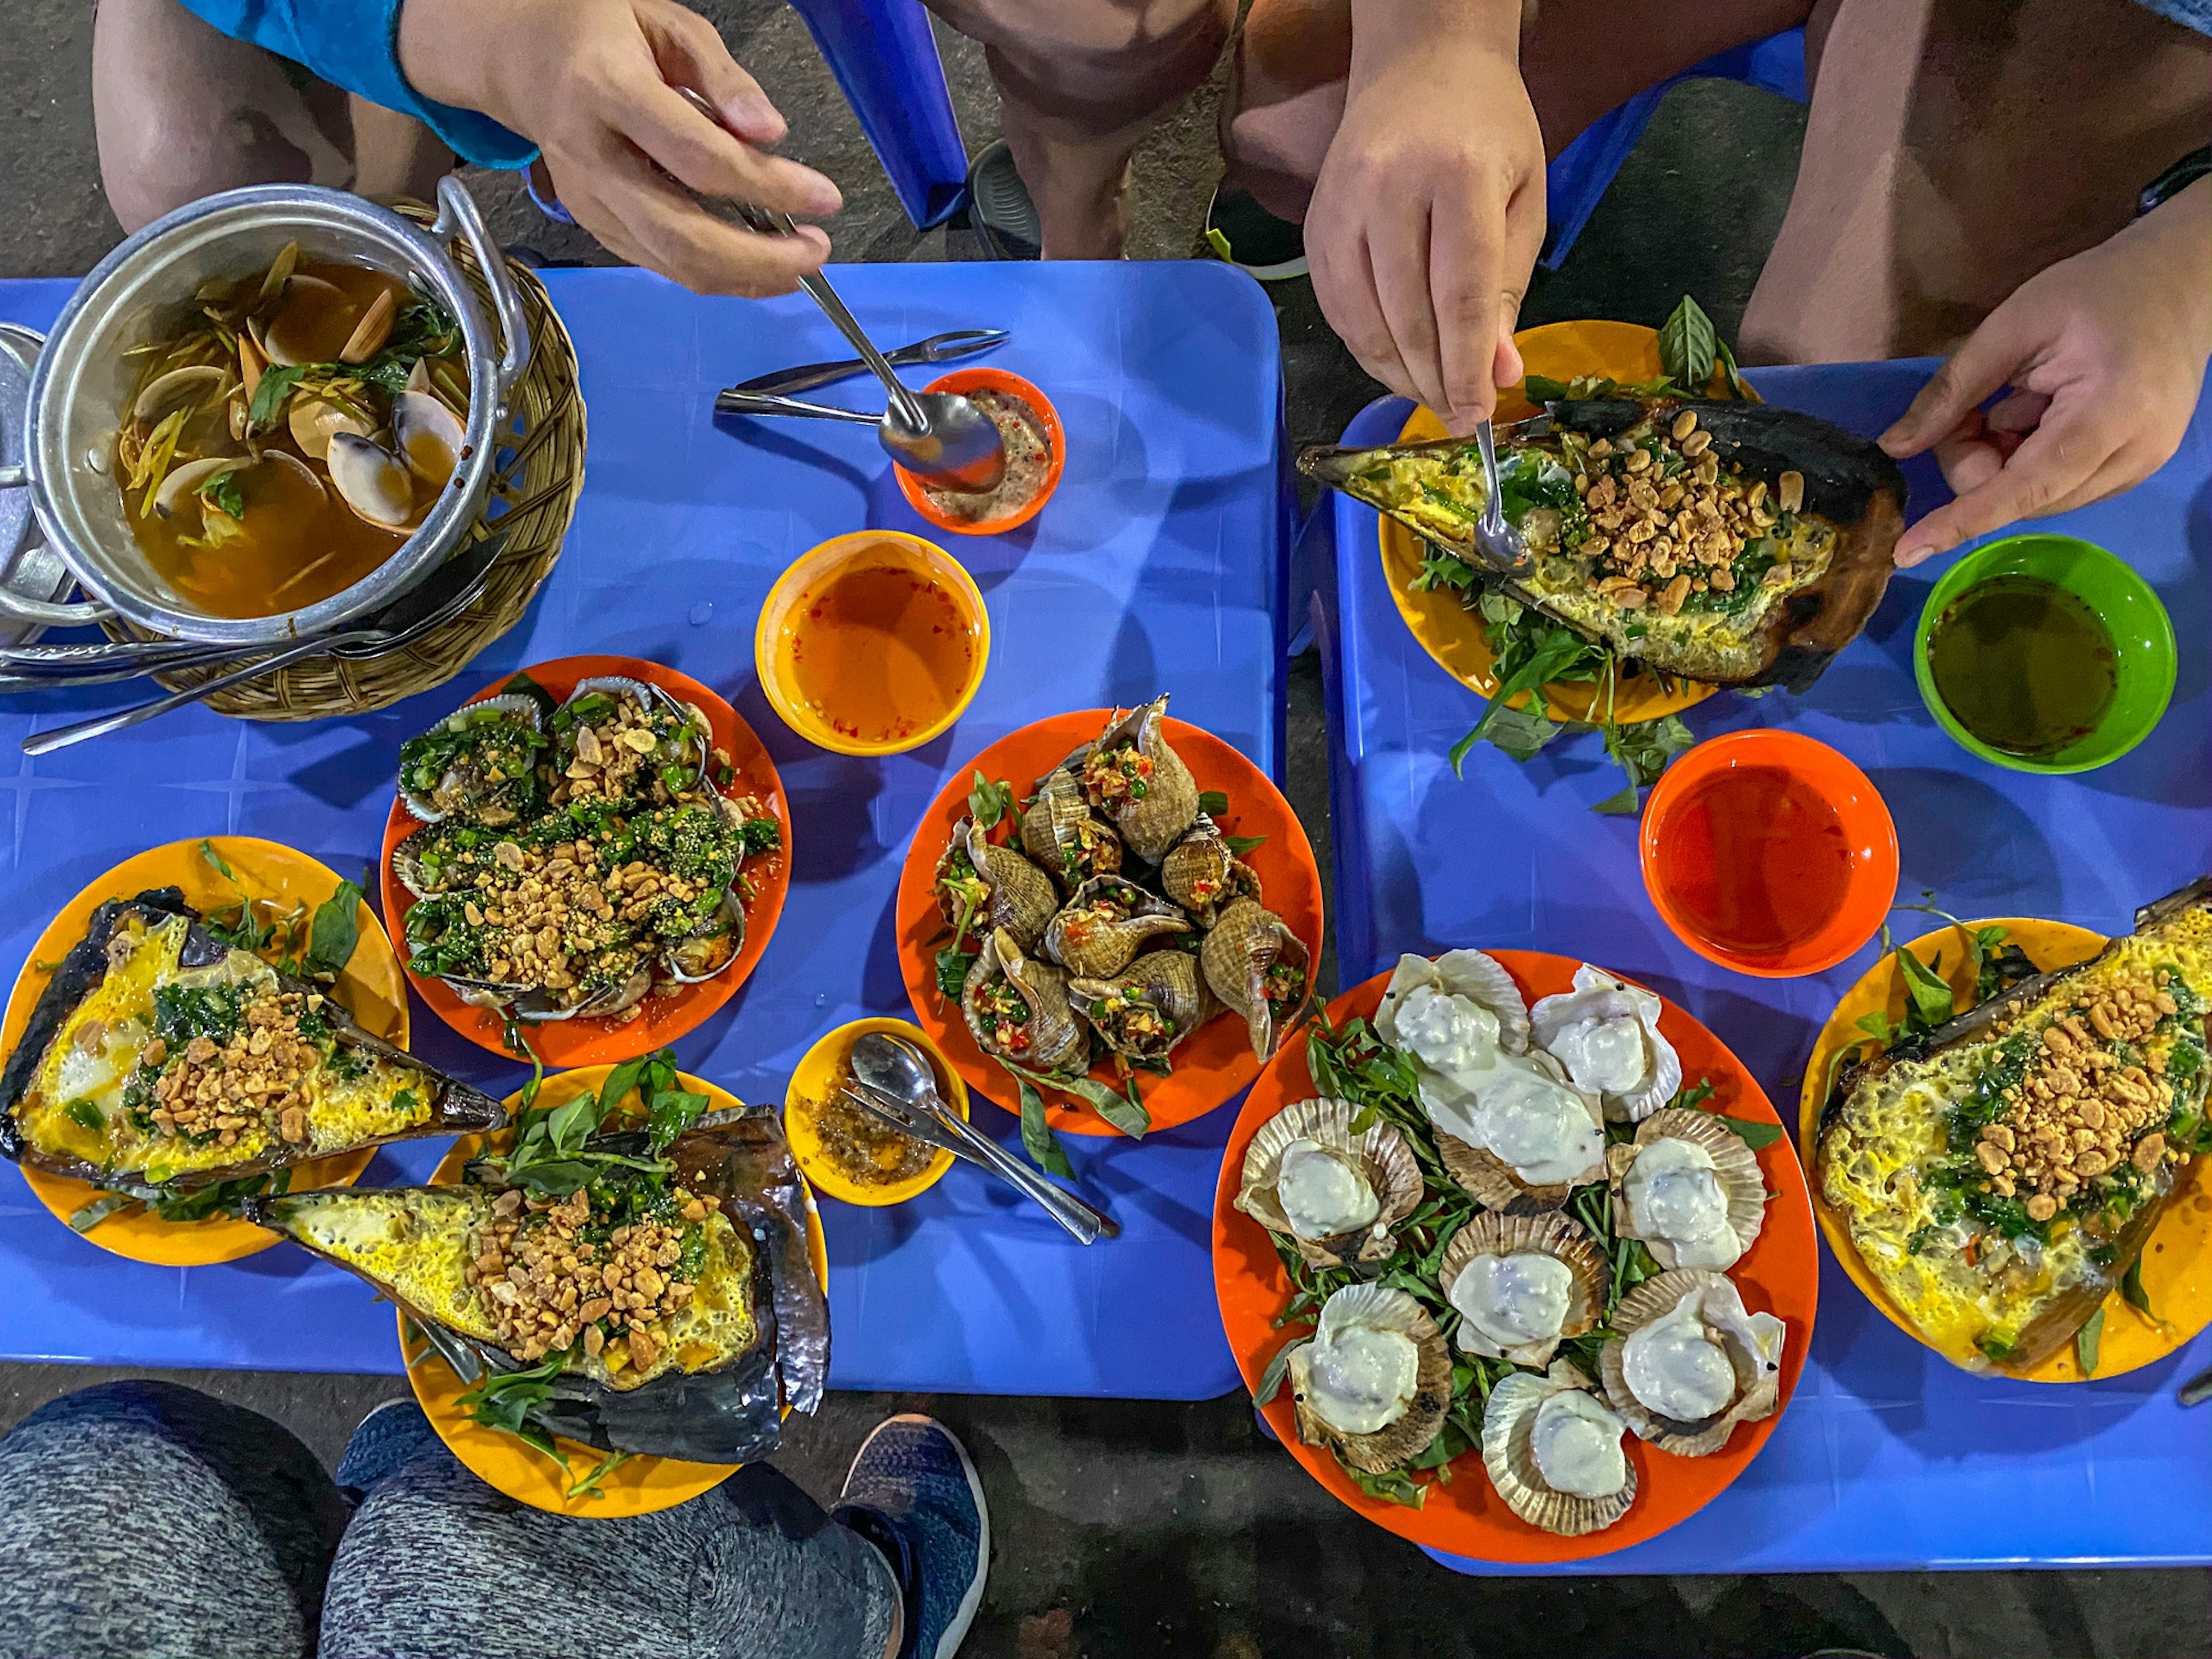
x: 1521, y: 1283
x: 1687, y: 1362
x: 1728, y: 542
x: 992, y: 886
x: 1103, y: 927
x: 1606, y: 1032
x: 1998, y: 1176
x: 1134, y: 776
x: 1333, y: 1195
x: 1375, y: 1379
x: 1553, y: 1452
x: 1690, y: 1188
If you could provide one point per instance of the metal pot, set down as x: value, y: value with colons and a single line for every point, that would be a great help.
x: 81, y: 383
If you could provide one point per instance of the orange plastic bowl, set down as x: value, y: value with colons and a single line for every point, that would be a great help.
x: 1763, y: 880
x: 992, y: 379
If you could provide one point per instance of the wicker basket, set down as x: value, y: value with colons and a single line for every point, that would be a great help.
x: 532, y: 495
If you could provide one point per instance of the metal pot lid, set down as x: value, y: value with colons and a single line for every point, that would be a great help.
x: 27, y: 568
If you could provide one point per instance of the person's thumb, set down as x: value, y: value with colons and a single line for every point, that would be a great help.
x: 1977, y: 368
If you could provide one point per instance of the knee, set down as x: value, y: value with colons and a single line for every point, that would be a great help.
x: 148, y: 167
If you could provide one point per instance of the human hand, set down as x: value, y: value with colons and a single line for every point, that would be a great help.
x: 1428, y: 211
x: 591, y: 83
x: 2104, y: 354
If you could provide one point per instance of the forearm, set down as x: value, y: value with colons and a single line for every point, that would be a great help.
x: 2172, y: 247
x: 355, y: 44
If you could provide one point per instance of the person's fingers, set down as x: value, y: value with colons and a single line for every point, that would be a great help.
x: 665, y: 230
x: 2018, y: 412
x: 1524, y: 242
x: 1467, y: 231
x: 1398, y: 245
x: 1968, y: 463
x: 1343, y: 284
x: 655, y: 117
x: 690, y: 53
x: 1976, y: 369
x: 2060, y: 456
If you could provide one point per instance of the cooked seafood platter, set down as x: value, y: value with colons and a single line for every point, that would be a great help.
x: 1993, y: 1176
x: 1128, y: 924
x: 582, y: 858
x: 1514, y: 1211
x: 640, y: 1280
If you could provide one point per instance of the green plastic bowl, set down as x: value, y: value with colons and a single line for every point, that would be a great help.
x: 2142, y: 638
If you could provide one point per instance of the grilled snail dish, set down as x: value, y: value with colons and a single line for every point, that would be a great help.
x: 1731, y: 542
x: 1999, y: 1176
x: 160, y: 1057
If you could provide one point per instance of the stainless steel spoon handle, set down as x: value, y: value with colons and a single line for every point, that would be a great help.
x: 64, y: 663
x: 769, y: 402
x: 1085, y: 1224
x: 62, y: 737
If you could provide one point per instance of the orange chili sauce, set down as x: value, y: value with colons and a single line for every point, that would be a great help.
x: 1757, y: 861
x: 879, y: 652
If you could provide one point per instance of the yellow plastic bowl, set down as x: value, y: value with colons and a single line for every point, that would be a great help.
x: 778, y: 616
x: 811, y: 1081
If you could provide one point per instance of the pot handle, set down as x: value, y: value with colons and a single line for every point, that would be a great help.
x: 23, y: 344
x: 456, y: 211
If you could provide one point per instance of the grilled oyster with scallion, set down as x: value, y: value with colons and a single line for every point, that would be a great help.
x: 1732, y: 543
x: 1998, y: 1176
x: 160, y: 1059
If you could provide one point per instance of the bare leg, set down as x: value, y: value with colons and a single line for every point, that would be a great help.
x: 182, y: 109
x: 1287, y: 87
x: 1956, y: 147
x: 1079, y: 82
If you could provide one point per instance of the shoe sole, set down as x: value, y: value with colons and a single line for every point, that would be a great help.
x: 964, y: 1614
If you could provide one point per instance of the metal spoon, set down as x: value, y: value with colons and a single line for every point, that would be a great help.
x: 1500, y: 542
x: 950, y: 441
x: 442, y: 596
x: 886, y: 1066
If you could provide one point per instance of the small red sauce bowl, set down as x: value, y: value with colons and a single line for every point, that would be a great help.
x: 1770, y: 853
x: 992, y: 379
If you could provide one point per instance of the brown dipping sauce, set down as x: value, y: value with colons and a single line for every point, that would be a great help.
x: 867, y: 1151
x: 1029, y: 462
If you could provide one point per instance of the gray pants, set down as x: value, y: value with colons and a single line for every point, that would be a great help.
x: 143, y: 1519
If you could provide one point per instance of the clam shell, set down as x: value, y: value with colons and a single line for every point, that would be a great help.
x: 711, y: 949
x: 371, y: 480
x: 516, y: 704
x: 1169, y: 980
x: 1151, y: 826
x: 180, y: 388
x: 1056, y: 1039
x: 1021, y: 900
x: 313, y: 423
x: 429, y: 434
x: 1552, y: 1015
x: 180, y: 481
x: 1381, y: 1153
x: 1758, y: 1380
x: 539, y: 1007
x: 1495, y: 1233
x: 407, y: 864
x: 1202, y: 859
x: 1482, y: 980
x: 1736, y: 1164
x: 1509, y: 1422
x: 1060, y: 824
x: 1105, y: 948
x: 1387, y: 1446
x: 1238, y: 951
x: 695, y: 752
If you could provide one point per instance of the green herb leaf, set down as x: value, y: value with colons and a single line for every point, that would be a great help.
x: 207, y: 852
x: 1126, y: 1114
x: 2087, y: 1340
x: 1755, y: 1133
x: 2132, y: 1291
x: 100, y: 1209
x: 1037, y: 1138
x: 275, y: 386
x: 1392, y: 1486
x: 988, y: 802
x: 1688, y: 344
x: 1271, y: 1380
x: 672, y: 1112
x: 1737, y: 386
x: 952, y: 966
x: 1625, y: 802
x: 86, y: 1114
x: 333, y: 933
x: 589, y: 1485
x: 1240, y: 845
x: 1928, y: 994
x: 222, y: 493
x: 1543, y: 389
x: 1213, y: 803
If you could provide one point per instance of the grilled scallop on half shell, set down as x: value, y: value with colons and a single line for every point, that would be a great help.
x: 1605, y: 1033
x: 1553, y: 1449
x: 1687, y: 1362
x: 1335, y: 1195
x: 1375, y: 1379
x: 1521, y: 1283
x: 1689, y: 1187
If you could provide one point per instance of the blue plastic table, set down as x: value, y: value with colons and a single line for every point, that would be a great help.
x: 1888, y: 1457
x: 1159, y: 565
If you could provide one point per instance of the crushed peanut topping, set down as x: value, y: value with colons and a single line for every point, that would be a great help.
x: 217, y: 1090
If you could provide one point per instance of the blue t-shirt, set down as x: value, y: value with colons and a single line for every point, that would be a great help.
x: 355, y: 44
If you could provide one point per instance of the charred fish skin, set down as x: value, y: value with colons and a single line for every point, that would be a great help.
x: 2023, y: 1125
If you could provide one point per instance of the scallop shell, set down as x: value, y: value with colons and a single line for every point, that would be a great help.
x: 1493, y: 1182
x: 538, y: 1006
x: 515, y: 704
x: 1151, y: 826
x: 1203, y: 856
x: 1238, y: 951
x: 709, y: 950
x: 1383, y: 1156
x: 1389, y: 1447
x: 1056, y: 1039
x: 1068, y: 840
x: 694, y: 755
x: 1167, y: 979
x: 1552, y: 1015
x: 1494, y: 1233
x: 1757, y: 1378
x: 407, y: 864
x: 1509, y: 1453
x: 1021, y: 898
x: 1735, y: 1162
x: 1106, y: 948
x: 1482, y: 980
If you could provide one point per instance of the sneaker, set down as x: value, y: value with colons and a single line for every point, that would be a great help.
x: 1000, y: 209
x: 913, y: 1492
x: 1241, y: 231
